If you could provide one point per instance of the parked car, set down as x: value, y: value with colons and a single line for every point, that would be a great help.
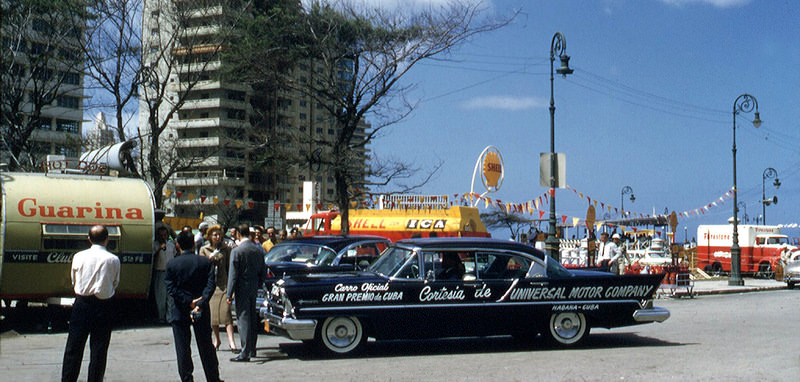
x: 791, y: 271
x: 456, y: 287
x: 322, y: 254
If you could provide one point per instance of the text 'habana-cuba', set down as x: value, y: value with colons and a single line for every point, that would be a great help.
x: 29, y: 207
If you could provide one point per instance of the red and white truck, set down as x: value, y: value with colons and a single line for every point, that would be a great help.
x: 761, y: 248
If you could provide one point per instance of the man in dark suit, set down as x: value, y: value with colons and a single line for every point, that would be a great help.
x: 190, y: 283
x: 246, y: 274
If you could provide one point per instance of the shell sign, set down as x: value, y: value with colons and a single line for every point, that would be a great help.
x: 492, y: 169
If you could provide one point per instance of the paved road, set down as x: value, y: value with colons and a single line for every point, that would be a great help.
x: 739, y: 337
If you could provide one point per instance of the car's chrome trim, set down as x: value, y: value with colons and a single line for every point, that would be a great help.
x: 457, y: 305
x: 656, y: 314
x: 293, y: 328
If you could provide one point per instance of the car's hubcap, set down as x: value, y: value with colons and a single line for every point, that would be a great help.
x: 567, y: 325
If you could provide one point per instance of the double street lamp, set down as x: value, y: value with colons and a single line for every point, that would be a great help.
x: 769, y: 172
x: 558, y: 47
x: 625, y: 190
x: 744, y: 103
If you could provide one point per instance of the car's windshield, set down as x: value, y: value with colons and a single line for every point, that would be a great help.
x: 397, y: 262
x: 301, y: 253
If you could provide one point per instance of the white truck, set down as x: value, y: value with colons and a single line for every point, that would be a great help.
x: 761, y: 248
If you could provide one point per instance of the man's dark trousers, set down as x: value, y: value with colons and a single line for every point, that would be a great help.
x: 91, y: 318
x: 183, y: 336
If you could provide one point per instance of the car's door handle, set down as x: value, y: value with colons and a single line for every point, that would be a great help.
x: 539, y: 283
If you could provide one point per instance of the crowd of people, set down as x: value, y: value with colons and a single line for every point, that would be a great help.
x: 197, y: 277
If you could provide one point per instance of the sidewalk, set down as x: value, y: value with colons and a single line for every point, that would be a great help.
x: 720, y: 286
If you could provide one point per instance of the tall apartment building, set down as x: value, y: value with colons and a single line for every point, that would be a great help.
x: 214, y: 123
x: 40, y: 55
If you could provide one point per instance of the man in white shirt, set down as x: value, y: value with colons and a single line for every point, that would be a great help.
x: 609, y: 253
x: 163, y: 251
x: 95, y: 276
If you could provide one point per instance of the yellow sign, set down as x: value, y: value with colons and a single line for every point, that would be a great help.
x: 492, y: 168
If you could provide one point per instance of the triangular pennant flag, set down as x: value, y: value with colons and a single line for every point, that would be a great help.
x: 215, y: 200
x: 238, y: 203
x: 251, y: 204
x: 227, y: 202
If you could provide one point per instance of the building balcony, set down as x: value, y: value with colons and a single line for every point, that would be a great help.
x: 207, y: 178
x: 209, y: 66
x: 206, y: 30
x: 205, y: 123
x: 199, y: 142
x: 213, y: 103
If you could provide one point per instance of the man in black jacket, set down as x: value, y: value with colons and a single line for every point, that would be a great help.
x: 246, y: 274
x: 190, y: 283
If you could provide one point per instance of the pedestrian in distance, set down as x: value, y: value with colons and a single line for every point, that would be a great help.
x: 271, y: 239
x: 200, y: 237
x: 163, y: 251
x: 95, y: 275
x: 247, y: 273
x: 190, y: 284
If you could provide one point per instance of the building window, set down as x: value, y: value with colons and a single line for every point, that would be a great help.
x: 330, y: 191
x: 67, y: 126
x: 302, y: 115
x: 330, y: 131
x: 44, y: 124
x: 71, y: 78
x: 319, y: 130
x: 303, y: 103
x: 68, y: 102
x: 69, y: 152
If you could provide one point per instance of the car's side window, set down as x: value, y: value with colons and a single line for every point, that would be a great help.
x: 537, y: 269
x: 501, y: 266
x: 446, y: 265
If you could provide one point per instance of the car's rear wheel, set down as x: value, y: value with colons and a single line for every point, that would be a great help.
x: 568, y: 328
x: 716, y: 269
x: 342, y: 335
x: 790, y: 285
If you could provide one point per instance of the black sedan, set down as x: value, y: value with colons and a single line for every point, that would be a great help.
x: 322, y: 254
x: 458, y: 287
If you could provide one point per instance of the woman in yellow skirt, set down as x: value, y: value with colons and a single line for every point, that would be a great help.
x: 218, y: 251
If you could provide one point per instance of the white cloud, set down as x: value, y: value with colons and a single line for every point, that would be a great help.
x: 716, y: 3
x: 505, y: 103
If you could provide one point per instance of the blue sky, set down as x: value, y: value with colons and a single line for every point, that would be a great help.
x: 649, y: 106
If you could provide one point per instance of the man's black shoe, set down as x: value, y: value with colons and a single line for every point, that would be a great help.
x: 240, y: 359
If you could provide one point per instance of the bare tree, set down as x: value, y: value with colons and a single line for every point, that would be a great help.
x: 364, y: 53
x: 40, y: 60
x: 502, y: 219
x: 113, y: 52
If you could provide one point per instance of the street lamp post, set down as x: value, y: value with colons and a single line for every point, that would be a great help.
x: 744, y: 103
x: 625, y: 190
x: 558, y: 46
x: 743, y: 206
x: 769, y: 172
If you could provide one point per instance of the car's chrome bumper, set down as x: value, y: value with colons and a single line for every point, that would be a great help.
x: 652, y: 314
x: 290, y: 327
